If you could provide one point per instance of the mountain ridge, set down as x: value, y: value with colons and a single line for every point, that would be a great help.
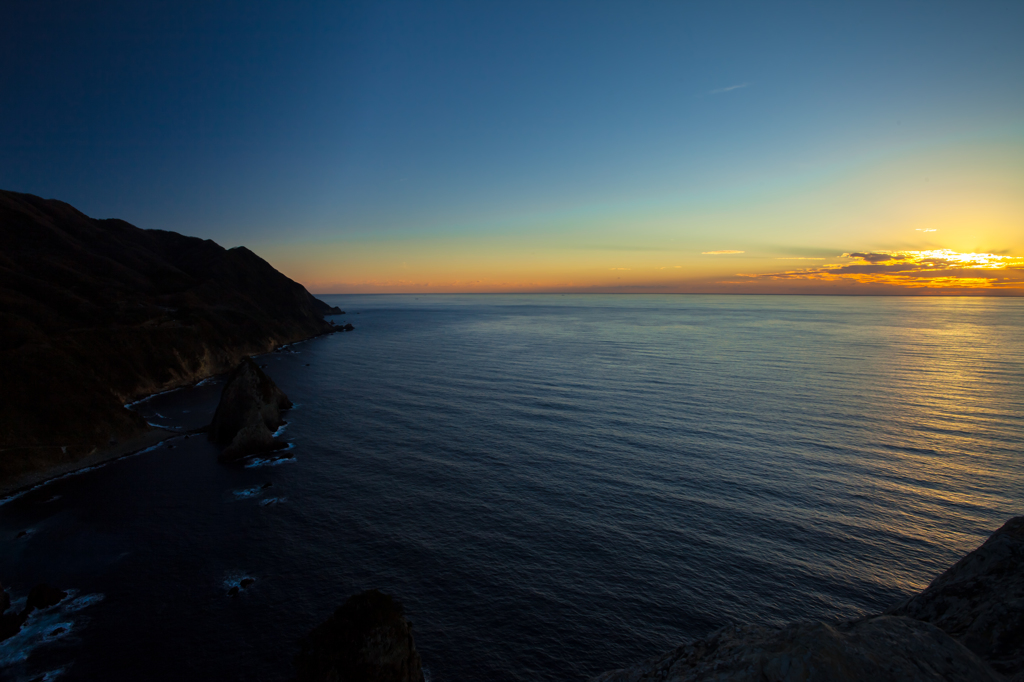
x: 95, y: 313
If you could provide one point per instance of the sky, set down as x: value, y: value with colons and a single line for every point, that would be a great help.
x: 487, y: 146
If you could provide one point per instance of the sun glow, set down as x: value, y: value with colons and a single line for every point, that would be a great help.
x: 935, y: 268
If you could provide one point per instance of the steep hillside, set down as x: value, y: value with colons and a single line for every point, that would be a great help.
x: 96, y: 313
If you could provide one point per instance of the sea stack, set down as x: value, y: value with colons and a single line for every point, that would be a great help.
x: 368, y: 639
x: 249, y: 412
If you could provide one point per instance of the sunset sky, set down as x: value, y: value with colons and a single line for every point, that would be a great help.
x: 552, y: 146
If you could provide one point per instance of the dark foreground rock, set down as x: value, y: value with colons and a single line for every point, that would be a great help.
x: 967, y: 625
x: 97, y: 313
x: 980, y: 600
x: 368, y: 639
x: 249, y: 412
x: 879, y: 649
x: 42, y: 596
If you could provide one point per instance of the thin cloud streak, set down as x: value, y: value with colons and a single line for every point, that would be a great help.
x: 729, y: 89
x: 719, y: 253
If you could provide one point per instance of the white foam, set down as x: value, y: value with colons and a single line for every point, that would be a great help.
x: 76, y: 472
x: 248, y: 492
x: 82, y: 602
x: 151, y: 396
x: 41, y: 628
x: 235, y: 580
x: 269, y: 461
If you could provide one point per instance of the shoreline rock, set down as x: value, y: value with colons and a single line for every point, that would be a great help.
x: 368, y: 639
x: 980, y: 600
x: 249, y: 413
x: 40, y: 597
x: 968, y: 625
x: 879, y: 649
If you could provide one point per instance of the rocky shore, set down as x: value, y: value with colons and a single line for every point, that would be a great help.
x: 52, y: 465
x: 967, y: 626
x: 95, y: 314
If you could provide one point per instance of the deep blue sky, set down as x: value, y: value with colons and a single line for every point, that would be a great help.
x: 481, y: 127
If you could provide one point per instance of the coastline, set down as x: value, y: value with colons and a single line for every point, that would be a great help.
x: 29, y: 480
x: 15, y: 486
x: 19, y: 484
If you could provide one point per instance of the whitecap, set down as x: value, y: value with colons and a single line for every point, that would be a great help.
x: 247, y: 493
x: 42, y: 627
x: 82, y: 602
x: 269, y: 461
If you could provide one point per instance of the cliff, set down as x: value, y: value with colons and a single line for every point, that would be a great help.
x: 968, y: 626
x: 97, y: 313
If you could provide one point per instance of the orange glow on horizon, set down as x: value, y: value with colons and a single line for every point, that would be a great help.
x: 933, y: 269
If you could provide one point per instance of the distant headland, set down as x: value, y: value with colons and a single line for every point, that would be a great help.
x: 95, y: 314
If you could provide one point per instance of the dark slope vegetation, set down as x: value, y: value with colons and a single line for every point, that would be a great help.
x: 96, y: 313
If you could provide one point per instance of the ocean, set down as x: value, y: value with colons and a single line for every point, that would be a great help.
x: 553, y: 486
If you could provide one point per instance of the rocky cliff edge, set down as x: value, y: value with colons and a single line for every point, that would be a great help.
x: 967, y: 626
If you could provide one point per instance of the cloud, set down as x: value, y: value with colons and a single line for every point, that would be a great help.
x: 918, y: 229
x: 729, y: 89
x: 880, y: 257
x: 719, y: 253
x: 620, y: 268
x: 797, y: 258
x: 939, y: 268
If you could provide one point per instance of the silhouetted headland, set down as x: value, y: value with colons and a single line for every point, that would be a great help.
x: 95, y: 314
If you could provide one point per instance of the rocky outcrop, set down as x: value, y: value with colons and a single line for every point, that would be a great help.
x: 97, y: 313
x: 368, y: 639
x: 967, y: 625
x: 879, y: 649
x: 249, y: 412
x: 42, y: 596
x: 980, y: 600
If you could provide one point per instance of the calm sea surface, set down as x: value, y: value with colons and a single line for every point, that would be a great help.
x: 553, y: 485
